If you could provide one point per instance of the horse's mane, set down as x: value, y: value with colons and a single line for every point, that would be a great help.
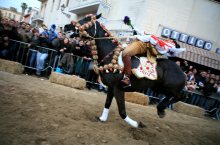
x: 106, y: 44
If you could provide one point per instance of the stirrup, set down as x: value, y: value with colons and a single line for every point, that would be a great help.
x: 126, y: 81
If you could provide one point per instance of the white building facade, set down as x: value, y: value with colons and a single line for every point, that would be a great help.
x: 194, y: 23
x: 194, y: 18
x: 10, y: 13
x: 55, y: 12
x: 34, y: 12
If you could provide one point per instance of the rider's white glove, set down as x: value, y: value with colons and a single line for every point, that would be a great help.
x: 143, y: 38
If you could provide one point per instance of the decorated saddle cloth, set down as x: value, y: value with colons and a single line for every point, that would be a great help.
x: 145, y: 69
x: 141, y: 67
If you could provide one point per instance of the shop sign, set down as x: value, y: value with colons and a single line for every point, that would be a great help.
x: 186, y: 38
x: 218, y: 50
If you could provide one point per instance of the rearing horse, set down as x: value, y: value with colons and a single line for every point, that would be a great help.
x: 170, y: 82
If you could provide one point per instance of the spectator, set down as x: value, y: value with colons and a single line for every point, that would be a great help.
x: 65, y: 46
x: 218, y: 87
x: 25, y: 36
x: 86, y: 61
x: 4, y: 49
x: 2, y: 27
x: 71, y: 30
x: 190, y: 76
x: 42, y: 28
x: 56, y: 44
x: 21, y: 30
x: 42, y: 53
x: 12, y: 34
x: 33, y: 47
x: 201, y: 79
x: 178, y: 63
x: 191, y: 85
x: 51, y: 33
x: 67, y: 61
x: 212, y: 76
x: 190, y: 68
x: 217, y: 78
x: 185, y: 66
x: 56, y: 41
x: 209, y: 87
x: 79, y: 50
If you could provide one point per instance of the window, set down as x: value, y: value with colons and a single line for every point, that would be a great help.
x: 218, y: 50
x: 67, y: 3
x: 52, y: 6
x: 9, y: 15
x: 14, y: 16
x: 58, y: 6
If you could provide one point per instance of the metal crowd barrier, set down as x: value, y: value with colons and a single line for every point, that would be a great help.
x: 20, y: 52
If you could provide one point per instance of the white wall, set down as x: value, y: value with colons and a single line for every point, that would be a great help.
x: 200, y: 18
x: 53, y: 14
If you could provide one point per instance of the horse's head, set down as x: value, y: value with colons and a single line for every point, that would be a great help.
x: 88, y: 25
x: 105, y: 48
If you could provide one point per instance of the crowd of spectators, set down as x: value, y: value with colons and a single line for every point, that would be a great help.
x: 35, y: 47
x: 200, y: 80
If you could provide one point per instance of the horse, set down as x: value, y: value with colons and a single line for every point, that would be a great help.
x: 171, y: 79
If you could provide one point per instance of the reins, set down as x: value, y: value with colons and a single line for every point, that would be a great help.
x: 118, y: 37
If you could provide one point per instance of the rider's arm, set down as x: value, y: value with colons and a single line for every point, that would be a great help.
x: 139, y: 32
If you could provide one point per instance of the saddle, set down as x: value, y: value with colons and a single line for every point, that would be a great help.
x: 142, y: 67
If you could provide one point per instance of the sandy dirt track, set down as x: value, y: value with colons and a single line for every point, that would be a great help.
x: 37, y: 112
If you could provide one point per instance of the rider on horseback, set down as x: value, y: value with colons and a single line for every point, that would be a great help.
x: 150, y: 45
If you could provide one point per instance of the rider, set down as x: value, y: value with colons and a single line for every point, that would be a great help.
x: 150, y: 45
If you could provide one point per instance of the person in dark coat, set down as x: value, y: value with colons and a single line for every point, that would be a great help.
x: 33, y: 47
x: 66, y: 63
x: 4, y: 47
x: 42, y: 53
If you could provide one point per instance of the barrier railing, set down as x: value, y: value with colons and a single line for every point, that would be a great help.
x: 36, y: 57
x: 46, y: 59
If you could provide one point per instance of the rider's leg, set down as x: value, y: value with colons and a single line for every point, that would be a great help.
x: 127, y: 69
x: 136, y: 47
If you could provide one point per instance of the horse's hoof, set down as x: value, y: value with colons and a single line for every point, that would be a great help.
x: 161, y: 113
x: 98, y: 119
x: 141, y: 125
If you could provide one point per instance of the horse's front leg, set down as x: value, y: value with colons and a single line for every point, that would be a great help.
x: 108, y: 103
x: 120, y: 99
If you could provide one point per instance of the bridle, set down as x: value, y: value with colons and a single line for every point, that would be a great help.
x: 113, y: 65
x: 94, y: 31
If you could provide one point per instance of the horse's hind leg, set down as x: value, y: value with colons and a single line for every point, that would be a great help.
x: 162, y: 106
x: 108, y: 103
x: 165, y: 103
x: 119, y: 96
